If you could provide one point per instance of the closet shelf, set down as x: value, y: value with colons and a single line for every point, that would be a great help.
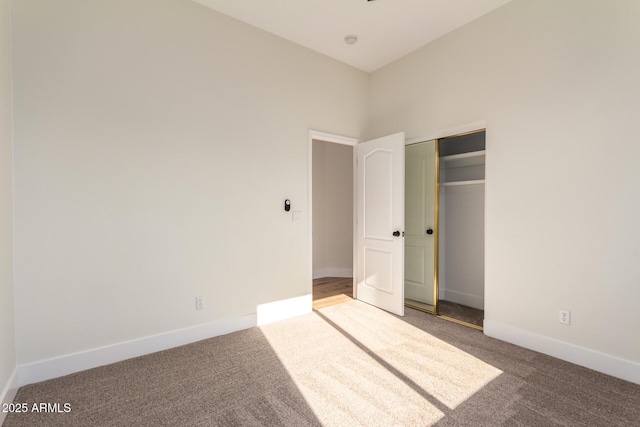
x: 465, y: 159
x: 453, y: 183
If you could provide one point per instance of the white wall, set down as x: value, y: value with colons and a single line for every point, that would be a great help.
x: 332, y: 210
x: 155, y: 141
x: 7, y: 338
x: 461, y: 255
x: 557, y: 84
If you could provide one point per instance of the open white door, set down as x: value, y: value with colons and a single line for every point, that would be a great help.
x: 380, y: 223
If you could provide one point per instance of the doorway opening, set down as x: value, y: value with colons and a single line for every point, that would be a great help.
x: 332, y: 213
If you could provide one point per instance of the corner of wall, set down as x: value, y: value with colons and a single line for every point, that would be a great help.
x: 9, y: 379
x: 9, y: 392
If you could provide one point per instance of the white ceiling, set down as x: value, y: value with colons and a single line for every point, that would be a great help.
x: 386, y: 29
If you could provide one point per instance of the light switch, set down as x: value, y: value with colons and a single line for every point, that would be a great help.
x: 297, y: 216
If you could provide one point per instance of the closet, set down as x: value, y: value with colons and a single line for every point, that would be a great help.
x: 461, y: 228
x: 444, y: 222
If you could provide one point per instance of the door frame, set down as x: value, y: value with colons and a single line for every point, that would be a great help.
x: 449, y: 132
x: 314, y: 135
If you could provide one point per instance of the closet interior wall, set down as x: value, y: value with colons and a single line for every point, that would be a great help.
x: 461, y: 220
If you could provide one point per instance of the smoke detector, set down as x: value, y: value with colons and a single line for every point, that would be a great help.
x: 350, y: 39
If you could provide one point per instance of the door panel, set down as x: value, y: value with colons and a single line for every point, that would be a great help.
x: 414, y: 280
x: 380, y: 213
x: 378, y: 175
x: 420, y: 177
x: 378, y: 268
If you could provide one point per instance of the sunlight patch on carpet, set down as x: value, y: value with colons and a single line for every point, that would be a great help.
x: 354, y: 361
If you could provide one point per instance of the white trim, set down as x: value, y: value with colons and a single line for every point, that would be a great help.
x: 354, y: 209
x: 469, y: 127
x: 76, y: 362
x: 336, y: 139
x: 332, y: 272
x: 592, y: 359
x: 9, y: 392
x: 284, y: 309
x: 329, y: 137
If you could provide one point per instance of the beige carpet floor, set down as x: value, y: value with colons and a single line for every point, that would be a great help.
x: 461, y: 312
x: 344, y: 365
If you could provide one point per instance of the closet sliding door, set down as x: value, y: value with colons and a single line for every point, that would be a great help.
x: 420, y: 246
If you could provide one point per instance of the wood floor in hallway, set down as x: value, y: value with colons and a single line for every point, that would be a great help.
x: 328, y: 291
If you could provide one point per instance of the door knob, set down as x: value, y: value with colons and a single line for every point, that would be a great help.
x: 429, y: 231
x: 396, y: 233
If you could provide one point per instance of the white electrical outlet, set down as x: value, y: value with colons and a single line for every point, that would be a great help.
x: 565, y: 317
x: 199, y: 303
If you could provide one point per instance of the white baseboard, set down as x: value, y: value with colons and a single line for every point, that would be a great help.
x: 9, y: 392
x: 464, y: 299
x: 284, y: 309
x: 76, y: 362
x: 319, y: 273
x: 592, y: 359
